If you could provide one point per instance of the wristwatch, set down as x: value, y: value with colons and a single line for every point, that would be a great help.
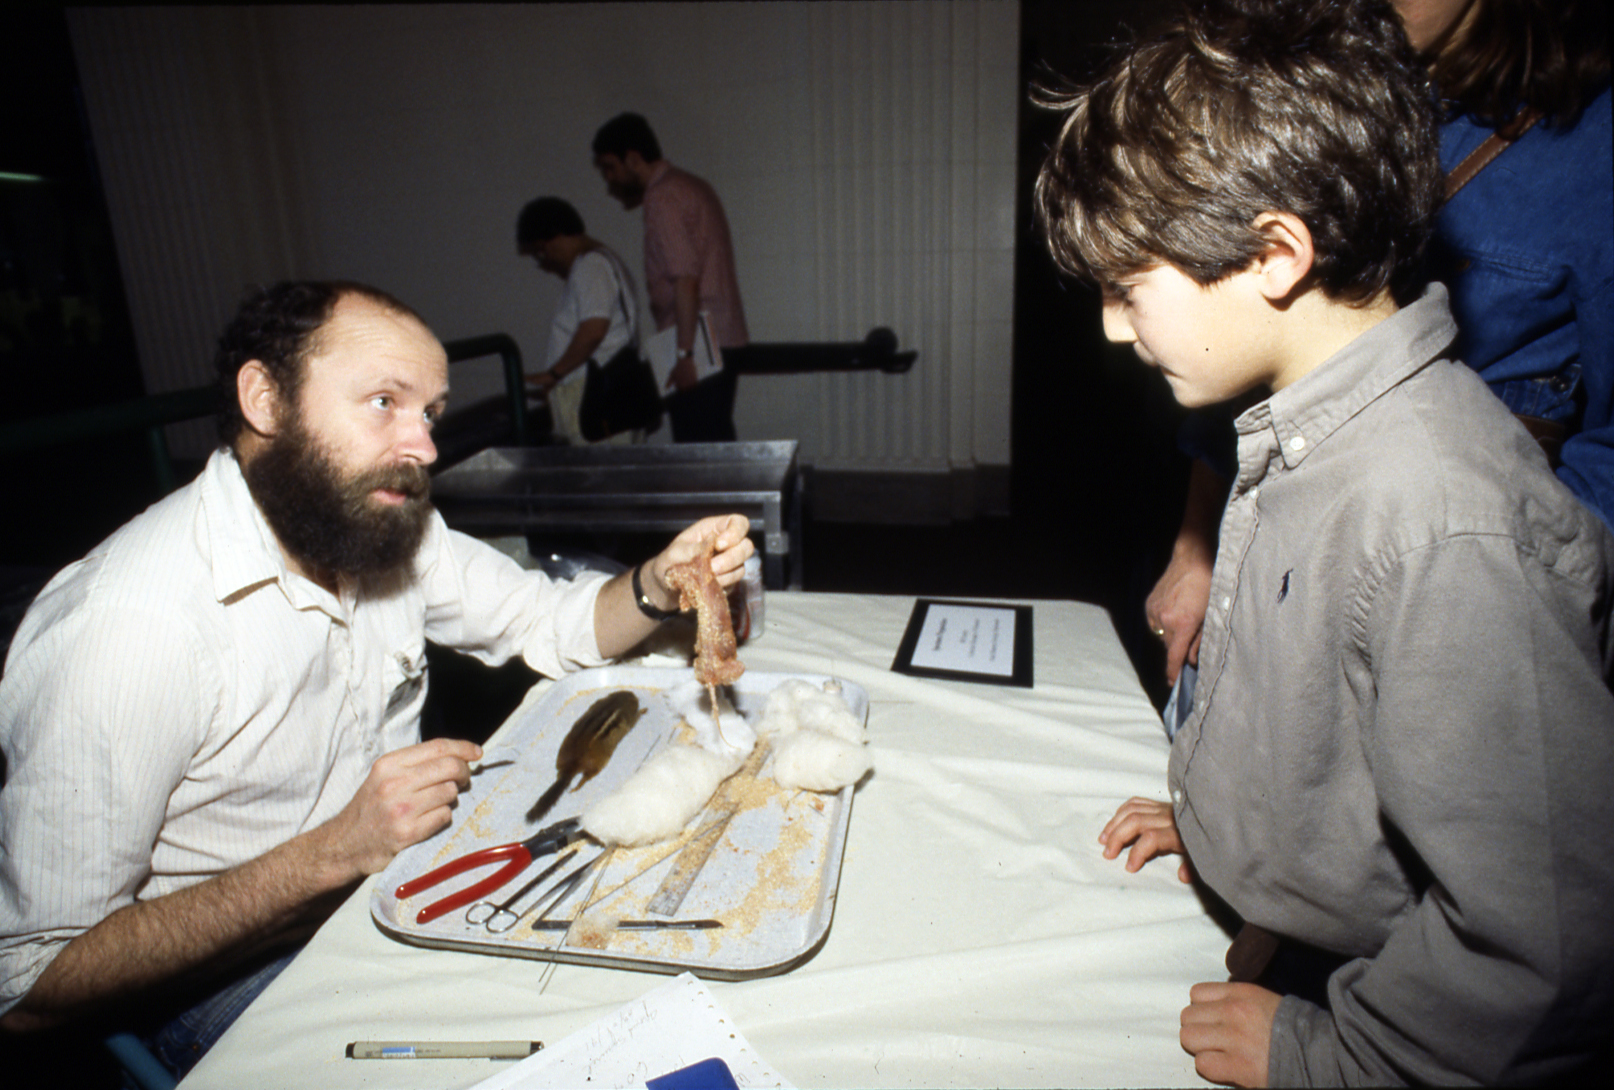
x: 646, y: 606
x: 686, y: 353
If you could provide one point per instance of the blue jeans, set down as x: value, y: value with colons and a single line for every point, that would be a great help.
x: 181, y: 1043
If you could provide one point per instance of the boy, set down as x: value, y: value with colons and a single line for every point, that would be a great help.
x: 1403, y: 722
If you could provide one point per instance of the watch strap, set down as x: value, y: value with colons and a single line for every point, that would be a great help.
x: 646, y: 606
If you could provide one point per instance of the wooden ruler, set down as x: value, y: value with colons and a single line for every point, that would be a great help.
x: 670, y: 894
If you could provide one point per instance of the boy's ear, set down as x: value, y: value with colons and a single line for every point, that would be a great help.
x: 1288, y: 257
x: 259, y: 397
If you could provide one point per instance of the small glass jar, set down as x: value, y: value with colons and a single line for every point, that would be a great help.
x: 745, y: 601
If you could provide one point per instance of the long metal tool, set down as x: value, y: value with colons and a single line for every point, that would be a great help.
x: 562, y: 890
x: 636, y: 925
x: 675, y: 887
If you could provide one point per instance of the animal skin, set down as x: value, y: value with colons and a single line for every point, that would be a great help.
x: 716, y: 650
x: 588, y: 746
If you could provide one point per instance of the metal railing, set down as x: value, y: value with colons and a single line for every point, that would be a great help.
x: 153, y: 413
x: 515, y: 383
x: 149, y: 414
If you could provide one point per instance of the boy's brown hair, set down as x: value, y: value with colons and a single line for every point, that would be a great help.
x: 1317, y: 108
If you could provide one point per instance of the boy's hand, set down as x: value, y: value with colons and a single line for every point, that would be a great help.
x: 1151, y: 829
x: 1227, y: 1028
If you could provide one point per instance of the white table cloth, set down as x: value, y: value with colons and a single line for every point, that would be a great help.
x: 980, y: 938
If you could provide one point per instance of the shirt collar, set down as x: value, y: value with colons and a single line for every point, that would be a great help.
x: 1292, y: 422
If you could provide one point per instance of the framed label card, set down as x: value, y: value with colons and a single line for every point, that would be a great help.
x: 967, y: 641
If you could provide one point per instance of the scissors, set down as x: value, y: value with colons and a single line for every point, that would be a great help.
x: 518, y: 857
x: 492, y: 916
x: 550, y: 900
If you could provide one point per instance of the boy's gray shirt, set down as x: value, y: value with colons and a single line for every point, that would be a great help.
x: 1402, y: 746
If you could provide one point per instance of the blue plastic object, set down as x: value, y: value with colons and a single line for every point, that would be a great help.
x: 139, y: 1063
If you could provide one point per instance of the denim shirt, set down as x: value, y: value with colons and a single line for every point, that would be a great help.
x: 1527, y: 250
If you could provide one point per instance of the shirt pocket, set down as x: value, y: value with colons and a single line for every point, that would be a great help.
x: 1551, y: 397
x: 1516, y: 321
x: 403, y: 677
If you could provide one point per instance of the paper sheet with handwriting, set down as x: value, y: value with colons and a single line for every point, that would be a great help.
x: 669, y: 1027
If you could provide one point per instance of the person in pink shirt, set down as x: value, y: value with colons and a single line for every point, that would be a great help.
x: 689, y: 268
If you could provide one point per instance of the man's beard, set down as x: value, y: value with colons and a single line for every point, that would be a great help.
x: 630, y: 192
x: 330, y: 522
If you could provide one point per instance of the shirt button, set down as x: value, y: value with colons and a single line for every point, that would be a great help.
x: 1176, y: 796
x: 1298, y: 443
x: 1226, y: 601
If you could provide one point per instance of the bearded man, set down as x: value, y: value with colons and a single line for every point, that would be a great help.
x: 212, y: 721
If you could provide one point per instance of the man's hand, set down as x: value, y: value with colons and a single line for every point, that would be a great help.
x: 686, y: 316
x: 588, y: 337
x: 407, y: 797
x: 729, y: 536
x: 683, y: 376
x: 618, y: 624
x: 1227, y: 1028
x: 1176, y: 607
x: 1151, y: 829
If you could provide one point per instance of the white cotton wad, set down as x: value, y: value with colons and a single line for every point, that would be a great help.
x: 827, y: 712
x: 657, y: 801
x: 799, y: 705
x: 818, y: 742
x: 816, y: 761
x: 779, y: 710
x: 729, y: 736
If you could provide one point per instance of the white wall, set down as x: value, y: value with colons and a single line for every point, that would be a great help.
x: 864, y: 152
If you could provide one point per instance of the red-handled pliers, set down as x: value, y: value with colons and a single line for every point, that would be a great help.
x: 520, y: 855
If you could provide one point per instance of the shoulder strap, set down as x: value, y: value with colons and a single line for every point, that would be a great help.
x: 1480, y: 158
x: 620, y: 276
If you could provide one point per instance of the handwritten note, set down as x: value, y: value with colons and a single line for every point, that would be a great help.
x: 670, y: 1027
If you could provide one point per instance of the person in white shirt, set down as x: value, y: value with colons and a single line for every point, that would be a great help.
x: 596, y: 317
x: 211, y: 723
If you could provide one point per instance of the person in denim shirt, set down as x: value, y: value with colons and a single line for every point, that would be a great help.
x: 1527, y: 246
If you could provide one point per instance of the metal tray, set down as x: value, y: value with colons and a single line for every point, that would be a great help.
x: 772, y: 879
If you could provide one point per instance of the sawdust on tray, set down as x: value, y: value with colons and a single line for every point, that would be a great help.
x: 779, y: 888
x: 592, y: 930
